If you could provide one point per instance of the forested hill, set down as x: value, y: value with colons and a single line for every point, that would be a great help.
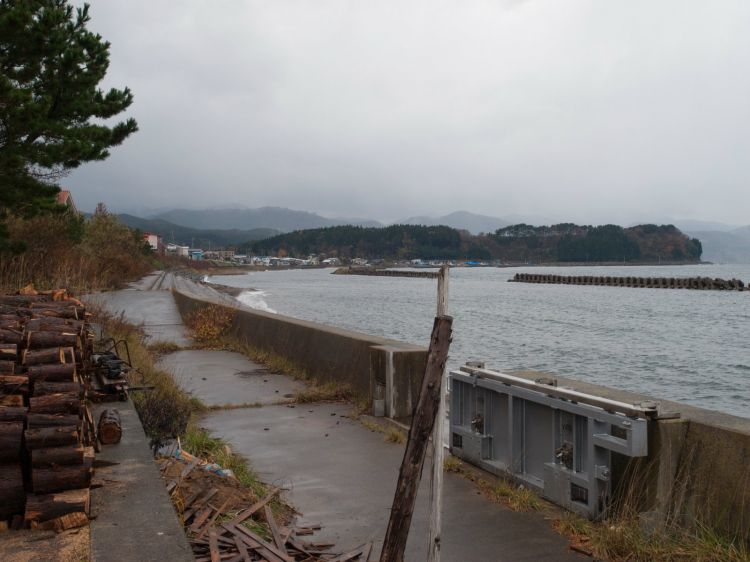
x: 516, y: 243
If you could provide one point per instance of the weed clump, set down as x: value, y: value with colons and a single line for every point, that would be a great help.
x: 166, y: 409
x: 210, y: 324
x: 326, y: 392
x: 394, y: 435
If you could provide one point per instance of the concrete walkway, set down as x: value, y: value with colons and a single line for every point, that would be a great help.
x: 134, y: 520
x: 338, y: 473
x: 225, y: 378
x: 148, y: 303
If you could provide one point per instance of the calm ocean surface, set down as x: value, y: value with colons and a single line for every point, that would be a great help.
x: 688, y: 346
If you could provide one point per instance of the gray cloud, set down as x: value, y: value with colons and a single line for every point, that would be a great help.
x: 581, y: 110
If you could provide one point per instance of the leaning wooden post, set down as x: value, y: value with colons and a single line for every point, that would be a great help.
x: 438, y: 438
x: 422, y: 425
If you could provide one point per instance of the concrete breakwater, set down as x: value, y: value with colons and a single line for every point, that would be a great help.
x: 697, y: 283
x: 385, y: 272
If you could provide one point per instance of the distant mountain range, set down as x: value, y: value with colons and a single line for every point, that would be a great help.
x: 461, y: 220
x: 277, y: 218
x: 725, y: 246
x: 198, y: 238
x: 722, y: 243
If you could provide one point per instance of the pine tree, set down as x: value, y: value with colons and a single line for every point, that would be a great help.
x: 51, y: 106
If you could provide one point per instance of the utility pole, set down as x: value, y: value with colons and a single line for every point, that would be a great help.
x: 427, y: 420
x: 438, y: 439
x: 422, y: 426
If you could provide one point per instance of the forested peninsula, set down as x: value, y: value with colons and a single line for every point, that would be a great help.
x: 520, y: 243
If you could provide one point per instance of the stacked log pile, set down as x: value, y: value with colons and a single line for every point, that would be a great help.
x: 697, y: 283
x: 46, y: 430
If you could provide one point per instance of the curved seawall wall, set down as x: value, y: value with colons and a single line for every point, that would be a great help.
x: 324, y: 353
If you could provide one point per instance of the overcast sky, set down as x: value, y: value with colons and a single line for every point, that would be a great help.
x: 590, y: 111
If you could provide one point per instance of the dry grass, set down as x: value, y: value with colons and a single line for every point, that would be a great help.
x: 325, y: 392
x: 625, y: 540
x: 210, y: 324
x: 163, y: 347
x: 164, y: 411
x: 390, y: 433
x: 63, y: 250
x: 394, y: 435
x: 452, y: 464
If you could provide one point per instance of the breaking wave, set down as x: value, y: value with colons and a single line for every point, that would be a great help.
x: 256, y: 300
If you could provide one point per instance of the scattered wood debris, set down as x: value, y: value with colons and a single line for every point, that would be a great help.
x: 226, y: 521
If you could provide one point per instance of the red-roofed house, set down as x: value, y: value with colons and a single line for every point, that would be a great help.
x: 155, y: 241
x: 65, y: 198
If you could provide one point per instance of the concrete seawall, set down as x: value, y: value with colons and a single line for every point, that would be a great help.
x: 324, y: 353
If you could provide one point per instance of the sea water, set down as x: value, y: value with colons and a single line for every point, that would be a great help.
x: 683, y: 345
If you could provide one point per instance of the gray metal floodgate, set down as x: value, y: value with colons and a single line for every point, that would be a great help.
x: 221, y: 378
x: 343, y: 476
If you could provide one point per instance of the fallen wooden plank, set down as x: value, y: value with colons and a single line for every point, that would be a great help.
x: 280, y: 543
x: 268, y: 551
x: 200, y: 518
x: 253, y: 508
x: 296, y: 545
x: 213, y: 545
x: 215, y: 516
x: 352, y: 554
x: 196, y: 505
x: 242, y: 549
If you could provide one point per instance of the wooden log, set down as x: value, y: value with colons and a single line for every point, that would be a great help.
x: 14, y: 384
x: 58, y: 403
x: 8, y: 351
x: 64, y: 311
x: 11, y: 400
x: 42, y: 356
x: 109, y: 428
x: 63, y: 523
x: 43, y: 387
x: 71, y: 355
x: 52, y: 372
x: 44, y: 437
x: 20, y: 300
x: 422, y: 426
x: 10, y: 336
x: 44, y: 340
x: 45, y: 480
x: 52, y: 420
x: 7, y: 367
x: 89, y: 456
x: 57, y: 456
x: 10, y: 441
x: 40, y: 324
x: 43, y: 507
x: 59, y: 328
x: 12, y: 495
x: 13, y: 414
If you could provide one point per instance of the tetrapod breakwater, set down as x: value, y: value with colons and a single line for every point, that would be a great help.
x: 696, y: 283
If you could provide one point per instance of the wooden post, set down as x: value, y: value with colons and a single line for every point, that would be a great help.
x: 438, y: 438
x: 416, y: 447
